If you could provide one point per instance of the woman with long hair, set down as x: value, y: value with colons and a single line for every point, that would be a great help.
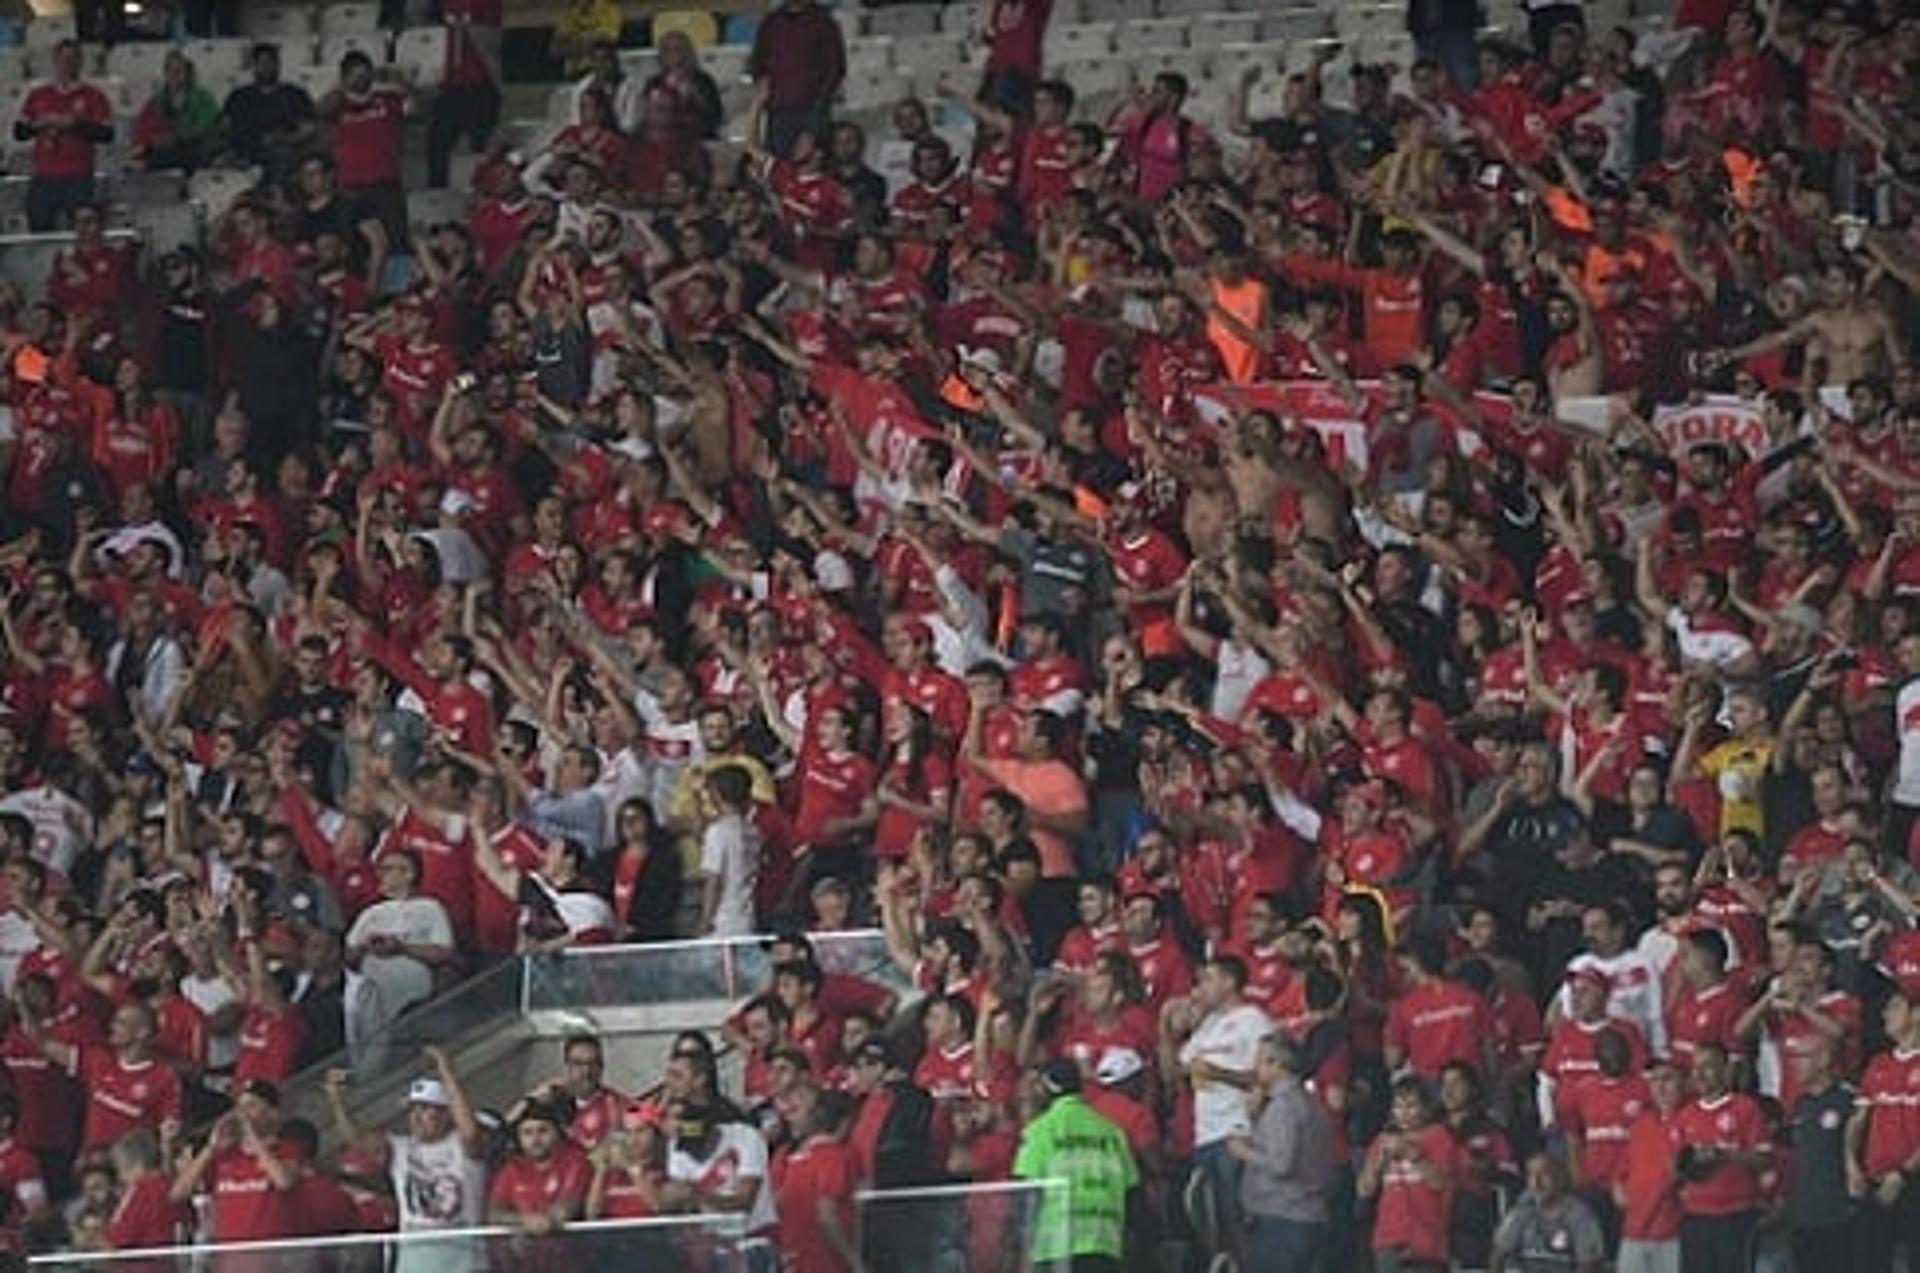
x: 916, y: 785
x: 647, y: 872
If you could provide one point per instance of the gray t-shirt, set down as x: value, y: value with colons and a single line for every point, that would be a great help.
x: 1535, y: 1239
x: 1063, y: 576
x: 1291, y: 1170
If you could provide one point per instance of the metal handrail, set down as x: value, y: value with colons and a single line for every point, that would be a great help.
x: 728, y: 1226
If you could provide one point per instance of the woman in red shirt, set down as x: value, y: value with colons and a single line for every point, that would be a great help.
x: 916, y: 789
x: 833, y: 800
x: 1410, y: 1168
x: 631, y: 1167
x: 135, y: 439
x: 593, y: 137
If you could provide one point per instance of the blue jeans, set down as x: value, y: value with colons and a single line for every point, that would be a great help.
x: 1281, y: 1245
x: 1222, y: 1171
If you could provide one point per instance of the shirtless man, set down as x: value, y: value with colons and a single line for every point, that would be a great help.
x: 1846, y: 338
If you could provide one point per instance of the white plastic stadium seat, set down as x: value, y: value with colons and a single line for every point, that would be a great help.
x: 881, y: 90
x: 868, y: 55
x: 349, y: 19
x: 1302, y: 55
x: 1212, y: 30
x: 727, y: 63
x: 1231, y: 60
x: 283, y: 22
x: 852, y: 20
x: 1267, y: 97
x: 1210, y: 104
x: 44, y: 33
x: 1116, y: 10
x: 139, y: 188
x: 137, y: 61
x: 215, y: 189
x: 1154, y: 35
x: 1302, y: 24
x: 316, y: 79
x: 1397, y: 52
x: 218, y: 57
x: 1604, y: 15
x: 163, y: 227
x: 1192, y: 8
x: 1361, y: 21
x: 421, y: 55
x: 942, y: 55
x: 1078, y: 43
x: 1189, y: 63
x: 127, y: 96
x: 968, y: 19
x: 1091, y: 77
x: 904, y: 19
x: 335, y: 47
x: 641, y: 64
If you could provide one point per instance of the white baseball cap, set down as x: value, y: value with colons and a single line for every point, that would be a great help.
x: 1117, y: 1065
x: 427, y: 1092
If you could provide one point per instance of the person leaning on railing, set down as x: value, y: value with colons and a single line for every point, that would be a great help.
x: 438, y: 1166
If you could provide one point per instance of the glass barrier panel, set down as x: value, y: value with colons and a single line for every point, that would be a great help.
x: 983, y: 1228
x: 378, y: 1042
x: 696, y: 1244
x: 856, y: 953
x: 602, y: 977
x: 630, y: 976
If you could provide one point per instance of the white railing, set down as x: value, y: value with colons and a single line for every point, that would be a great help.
x: 635, y: 1244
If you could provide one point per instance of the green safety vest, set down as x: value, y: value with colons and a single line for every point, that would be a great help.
x: 1086, y: 1214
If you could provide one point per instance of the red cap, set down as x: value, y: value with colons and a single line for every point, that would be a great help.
x: 640, y: 1114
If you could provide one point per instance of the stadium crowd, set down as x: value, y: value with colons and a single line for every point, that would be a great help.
x: 1366, y: 660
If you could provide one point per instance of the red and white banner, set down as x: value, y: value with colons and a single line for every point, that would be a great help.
x: 1716, y: 418
x: 1322, y: 408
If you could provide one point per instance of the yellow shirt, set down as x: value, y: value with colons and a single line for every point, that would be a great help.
x: 1737, y: 767
x: 587, y: 23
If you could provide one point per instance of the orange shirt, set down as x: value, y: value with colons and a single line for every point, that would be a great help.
x: 1393, y: 308
x: 1049, y: 788
x: 1246, y: 301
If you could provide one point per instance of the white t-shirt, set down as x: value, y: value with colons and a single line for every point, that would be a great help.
x: 210, y: 995
x: 436, y: 1185
x: 1906, y: 713
x: 1237, y: 669
x: 1715, y: 645
x: 1228, y: 1040
x: 730, y: 851
x: 738, y: 1151
x: 416, y: 921
x: 61, y: 825
x: 667, y: 747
